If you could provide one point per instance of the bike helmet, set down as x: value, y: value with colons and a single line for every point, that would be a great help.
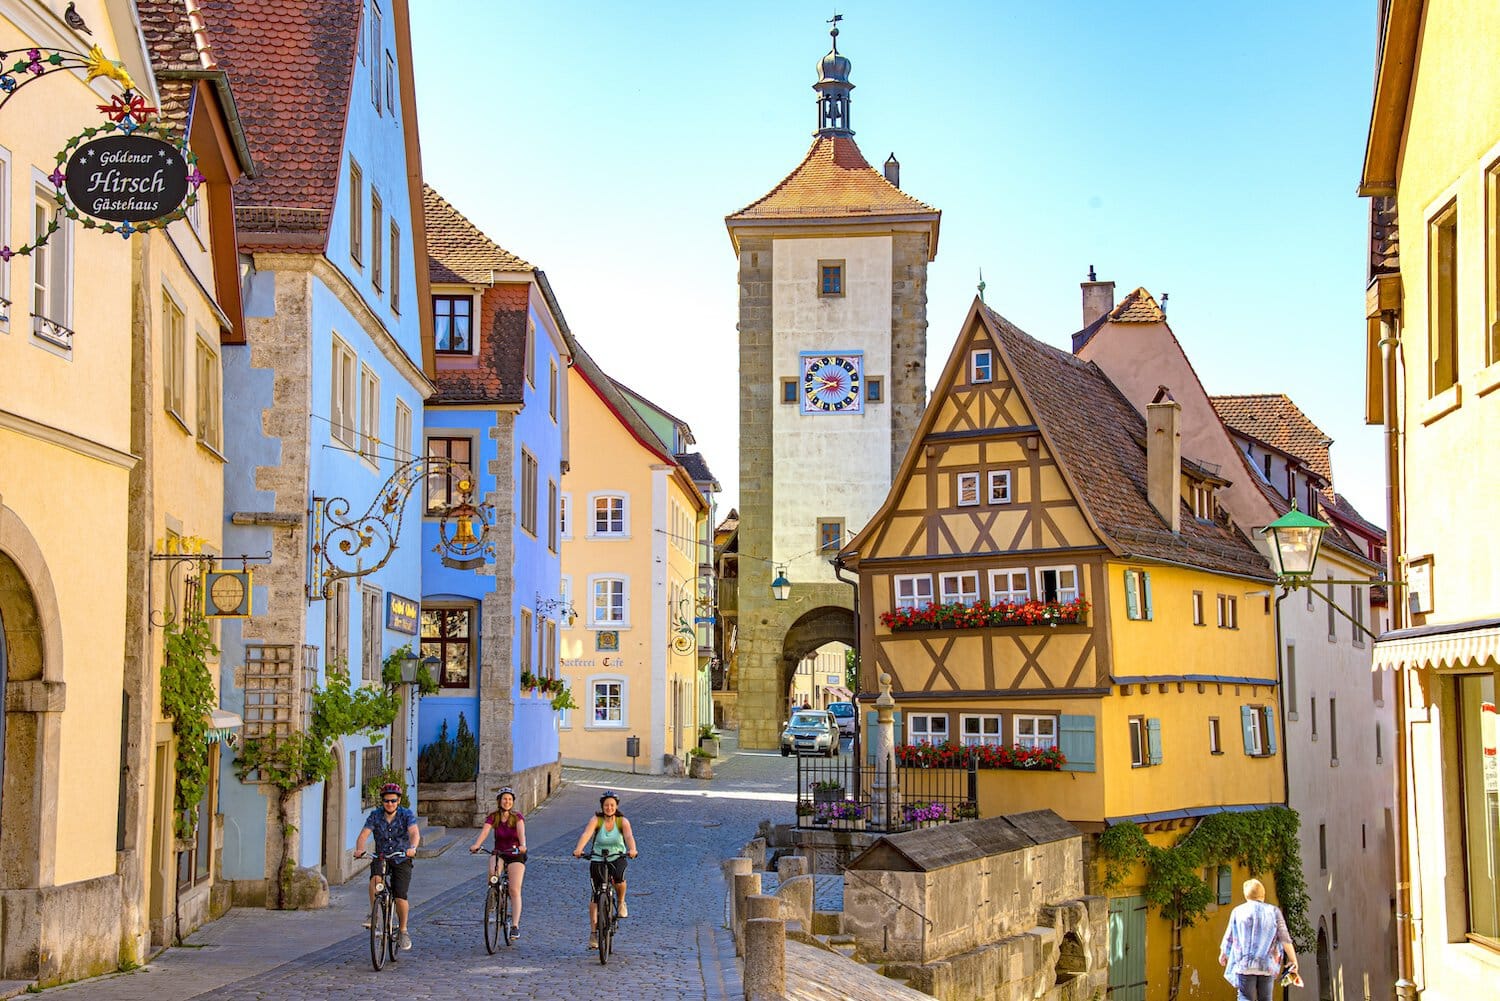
x: 609, y: 794
x: 504, y: 790
x: 391, y: 787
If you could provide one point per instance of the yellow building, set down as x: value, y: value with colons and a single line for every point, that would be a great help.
x: 1049, y: 574
x: 1432, y: 169
x: 630, y: 561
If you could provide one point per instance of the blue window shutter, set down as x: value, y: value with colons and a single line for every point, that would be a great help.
x: 1224, y: 888
x: 1132, y: 605
x: 1075, y: 738
x: 1146, y: 593
x: 896, y: 728
x: 1247, y: 728
x: 1270, y: 729
x: 1153, y: 741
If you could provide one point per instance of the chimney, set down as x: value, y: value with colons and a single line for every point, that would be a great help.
x: 1164, y: 457
x: 893, y: 170
x: 1098, y: 297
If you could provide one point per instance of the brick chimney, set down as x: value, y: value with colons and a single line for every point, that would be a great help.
x: 1164, y: 457
x: 893, y: 171
x: 1098, y: 297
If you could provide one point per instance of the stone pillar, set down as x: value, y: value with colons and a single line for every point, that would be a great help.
x: 886, y: 787
x: 732, y: 868
x: 497, y: 672
x: 745, y: 885
x: 765, y: 959
x: 790, y: 866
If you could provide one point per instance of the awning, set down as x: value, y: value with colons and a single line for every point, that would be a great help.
x: 1461, y: 644
x: 221, y: 724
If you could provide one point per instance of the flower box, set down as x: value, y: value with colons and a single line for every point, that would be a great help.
x: 951, y: 755
x: 841, y: 824
x: 823, y: 796
x: 985, y: 616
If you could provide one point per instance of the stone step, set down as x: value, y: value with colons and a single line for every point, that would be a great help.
x: 430, y: 830
x: 435, y: 847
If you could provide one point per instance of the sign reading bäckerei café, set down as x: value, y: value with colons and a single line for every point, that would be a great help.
x: 134, y: 178
x: 401, y: 614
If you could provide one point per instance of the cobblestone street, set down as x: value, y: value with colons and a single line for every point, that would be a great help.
x: 671, y: 947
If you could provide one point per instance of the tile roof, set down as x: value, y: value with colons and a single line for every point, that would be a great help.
x: 499, y: 377
x: 1274, y: 420
x: 1137, y: 307
x: 168, y: 30
x: 290, y: 63
x: 833, y: 181
x: 458, y: 252
x: 1097, y: 435
x: 1340, y: 505
x: 697, y: 468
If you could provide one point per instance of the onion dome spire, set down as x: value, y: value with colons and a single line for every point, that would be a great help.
x: 833, y: 88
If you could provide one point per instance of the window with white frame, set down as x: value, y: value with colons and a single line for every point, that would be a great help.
x: 1010, y: 586
x: 999, y: 487
x: 529, y: 362
x: 174, y: 357
x: 961, y: 588
x: 1229, y: 611
x: 607, y: 702
x: 565, y: 592
x: 927, y: 728
x: 1138, y: 741
x: 608, y: 602
x: 356, y: 213
x: 208, y: 395
x: 1057, y: 583
x: 369, y: 413
x: 51, y: 270
x: 913, y: 590
x: 403, y: 431
x: 1035, y: 732
x: 1138, y: 594
x: 5, y: 305
x: 609, y: 516
x: 975, y: 730
x: 565, y: 516
x: 966, y: 489
x: 981, y: 365
x: 343, y: 405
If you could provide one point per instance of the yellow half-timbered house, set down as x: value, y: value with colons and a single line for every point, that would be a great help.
x: 1050, y: 574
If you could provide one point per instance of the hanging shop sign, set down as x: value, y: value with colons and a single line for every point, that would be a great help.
x: 401, y: 614
x: 127, y: 178
x: 227, y: 594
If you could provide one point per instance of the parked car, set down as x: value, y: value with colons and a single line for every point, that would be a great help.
x: 810, y: 731
x: 845, y: 716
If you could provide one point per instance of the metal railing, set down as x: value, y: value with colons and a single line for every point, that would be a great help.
x: 52, y: 332
x: 848, y: 793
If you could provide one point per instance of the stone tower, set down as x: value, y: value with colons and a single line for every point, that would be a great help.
x: 833, y: 347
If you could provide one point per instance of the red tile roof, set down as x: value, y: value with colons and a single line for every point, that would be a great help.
x: 458, y: 252
x: 499, y: 375
x: 1273, y: 419
x: 1137, y: 307
x: 291, y: 63
x: 834, y: 181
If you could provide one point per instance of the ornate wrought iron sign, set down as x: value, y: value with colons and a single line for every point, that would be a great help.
x: 127, y: 178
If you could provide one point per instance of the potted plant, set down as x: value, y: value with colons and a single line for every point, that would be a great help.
x: 708, y: 740
x: 846, y: 816
x: 805, y: 812
x: 922, y: 814
x: 828, y: 791
x: 700, y: 765
x: 529, y: 682
x: 966, y: 810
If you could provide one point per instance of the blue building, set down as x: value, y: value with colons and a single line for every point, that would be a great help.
x: 324, y: 398
x: 502, y: 349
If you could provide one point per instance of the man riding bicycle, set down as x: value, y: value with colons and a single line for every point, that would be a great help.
x: 395, y: 830
x: 612, y: 841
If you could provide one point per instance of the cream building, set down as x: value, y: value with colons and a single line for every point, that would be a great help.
x: 1432, y: 170
x: 630, y: 563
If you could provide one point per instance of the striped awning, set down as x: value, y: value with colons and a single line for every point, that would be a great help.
x: 221, y: 724
x: 1461, y: 645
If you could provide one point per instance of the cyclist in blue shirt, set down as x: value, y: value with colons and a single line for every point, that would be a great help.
x: 395, y: 830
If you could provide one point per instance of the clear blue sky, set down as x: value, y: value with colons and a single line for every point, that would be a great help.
x: 1206, y: 150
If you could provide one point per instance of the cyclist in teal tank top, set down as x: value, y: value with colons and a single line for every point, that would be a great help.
x: 609, y: 840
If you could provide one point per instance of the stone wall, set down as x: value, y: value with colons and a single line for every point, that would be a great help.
x: 908, y: 378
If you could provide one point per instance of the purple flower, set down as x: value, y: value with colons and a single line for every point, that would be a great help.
x: 196, y: 177
x: 57, y: 177
x: 6, y: 254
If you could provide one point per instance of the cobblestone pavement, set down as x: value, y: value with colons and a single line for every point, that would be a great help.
x: 671, y: 947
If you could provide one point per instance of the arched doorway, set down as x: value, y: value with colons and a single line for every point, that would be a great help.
x: 814, y: 630
x: 334, y: 804
x: 1325, y: 965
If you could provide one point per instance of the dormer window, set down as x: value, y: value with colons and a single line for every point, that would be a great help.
x: 453, y: 324
x: 981, y: 366
x: 1204, y: 506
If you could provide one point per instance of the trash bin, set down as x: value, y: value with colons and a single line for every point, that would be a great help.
x: 632, y: 750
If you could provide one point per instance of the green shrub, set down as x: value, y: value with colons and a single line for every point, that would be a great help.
x: 446, y: 760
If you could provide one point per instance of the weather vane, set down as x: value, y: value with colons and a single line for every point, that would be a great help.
x: 981, y: 285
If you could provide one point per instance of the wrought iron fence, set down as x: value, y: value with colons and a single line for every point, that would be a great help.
x: 841, y: 793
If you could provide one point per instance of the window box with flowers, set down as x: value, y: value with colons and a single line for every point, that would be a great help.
x: 925, y: 814
x: 846, y: 816
x: 985, y: 616
x: 951, y: 755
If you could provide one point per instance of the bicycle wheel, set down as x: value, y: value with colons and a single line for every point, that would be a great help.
x: 492, y: 918
x: 504, y: 892
x: 605, y: 928
x: 393, y: 930
x: 378, y: 937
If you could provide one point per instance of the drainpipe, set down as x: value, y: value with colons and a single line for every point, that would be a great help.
x: 1390, y: 342
x: 1286, y: 778
x: 838, y: 572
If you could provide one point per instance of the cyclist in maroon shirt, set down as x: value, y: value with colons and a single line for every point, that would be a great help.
x: 510, y: 845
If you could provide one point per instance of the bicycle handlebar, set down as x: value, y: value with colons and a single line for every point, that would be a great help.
x: 607, y: 858
x: 393, y: 855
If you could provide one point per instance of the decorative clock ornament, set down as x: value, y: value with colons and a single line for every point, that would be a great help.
x: 832, y: 383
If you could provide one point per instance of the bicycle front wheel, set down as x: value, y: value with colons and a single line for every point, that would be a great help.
x: 492, y: 919
x: 604, y: 929
x: 393, y: 930
x: 378, y: 935
x: 504, y: 893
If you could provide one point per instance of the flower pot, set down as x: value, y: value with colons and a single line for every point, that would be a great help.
x: 700, y: 767
x: 821, y: 796
x: 709, y: 744
x: 932, y: 823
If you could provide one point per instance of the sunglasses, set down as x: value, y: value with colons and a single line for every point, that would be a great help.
x: 390, y: 801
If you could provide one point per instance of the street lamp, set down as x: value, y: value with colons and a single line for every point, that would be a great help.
x: 1297, y: 537
x: 411, y: 662
x: 781, y: 588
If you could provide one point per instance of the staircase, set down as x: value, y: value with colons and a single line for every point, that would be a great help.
x: 435, y: 839
x: 845, y: 946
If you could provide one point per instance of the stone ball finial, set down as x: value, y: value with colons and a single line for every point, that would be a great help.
x: 885, y: 683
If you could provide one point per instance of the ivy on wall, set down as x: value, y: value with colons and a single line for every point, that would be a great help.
x: 1260, y: 840
x: 187, y: 697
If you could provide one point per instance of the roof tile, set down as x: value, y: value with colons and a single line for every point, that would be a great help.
x: 458, y: 252
x: 1273, y: 419
x: 833, y: 181
x: 1137, y: 307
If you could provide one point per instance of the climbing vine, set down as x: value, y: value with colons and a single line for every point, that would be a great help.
x: 294, y: 761
x: 1261, y: 840
x: 187, y: 697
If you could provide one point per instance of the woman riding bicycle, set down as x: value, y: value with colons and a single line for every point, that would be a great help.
x: 612, y: 841
x: 510, y: 845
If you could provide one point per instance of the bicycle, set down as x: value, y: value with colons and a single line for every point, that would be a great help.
x: 604, y: 906
x: 385, y: 930
x: 497, y: 905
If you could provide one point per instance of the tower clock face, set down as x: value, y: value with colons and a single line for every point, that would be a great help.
x: 833, y: 383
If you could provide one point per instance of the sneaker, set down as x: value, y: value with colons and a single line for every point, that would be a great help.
x: 405, y: 942
x: 624, y: 911
x: 593, y: 942
x: 515, y: 932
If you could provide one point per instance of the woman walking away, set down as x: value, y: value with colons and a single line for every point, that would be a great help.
x: 1254, y: 944
x: 510, y: 849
